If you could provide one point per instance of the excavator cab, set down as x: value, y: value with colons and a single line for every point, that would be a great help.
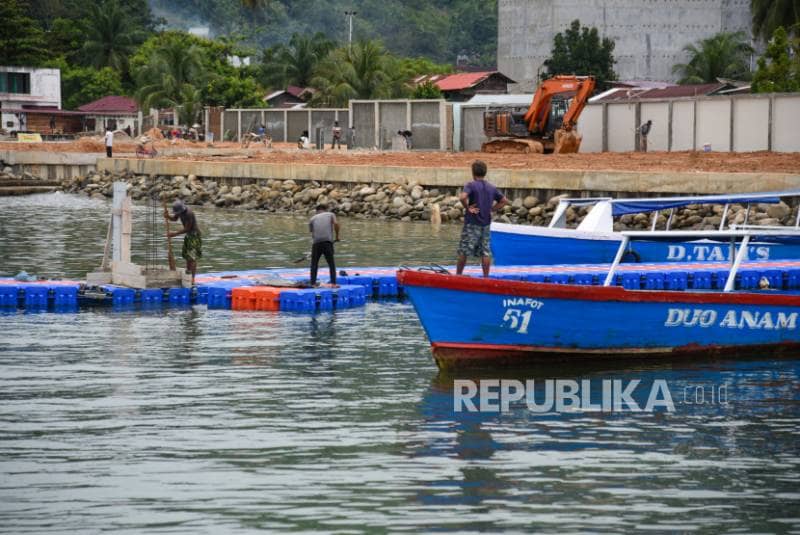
x: 548, y: 125
x: 558, y: 109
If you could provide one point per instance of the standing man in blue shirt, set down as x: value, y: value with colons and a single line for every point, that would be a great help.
x: 480, y: 198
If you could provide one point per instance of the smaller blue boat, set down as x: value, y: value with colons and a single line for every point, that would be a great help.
x: 475, y: 321
x: 595, y: 241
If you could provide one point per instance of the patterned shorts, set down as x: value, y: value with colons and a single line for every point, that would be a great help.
x: 192, y: 247
x: 474, y: 241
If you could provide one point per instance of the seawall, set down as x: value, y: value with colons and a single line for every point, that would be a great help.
x: 527, y: 180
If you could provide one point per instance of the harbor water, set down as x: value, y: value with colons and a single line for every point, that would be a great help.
x: 188, y: 420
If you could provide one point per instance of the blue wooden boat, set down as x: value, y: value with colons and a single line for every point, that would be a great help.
x: 594, y: 240
x: 476, y: 321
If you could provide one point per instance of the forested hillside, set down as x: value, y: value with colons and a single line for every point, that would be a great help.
x: 436, y: 29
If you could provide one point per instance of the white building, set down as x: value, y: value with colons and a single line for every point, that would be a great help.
x: 27, y: 88
x: 649, y: 34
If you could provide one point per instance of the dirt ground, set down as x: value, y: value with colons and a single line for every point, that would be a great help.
x: 763, y: 162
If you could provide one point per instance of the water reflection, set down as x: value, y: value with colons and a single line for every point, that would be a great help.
x: 188, y: 420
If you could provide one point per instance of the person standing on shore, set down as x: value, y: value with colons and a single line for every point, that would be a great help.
x: 337, y: 135
x: 324, y: 231
x: 109, y: 141
x: 644, y: 130
x: 192, y: 242
x: 480, y: 198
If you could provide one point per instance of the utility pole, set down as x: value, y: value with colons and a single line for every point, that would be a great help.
x: 350, y: 15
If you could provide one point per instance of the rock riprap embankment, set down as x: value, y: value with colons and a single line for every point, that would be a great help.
x: 405, y: 202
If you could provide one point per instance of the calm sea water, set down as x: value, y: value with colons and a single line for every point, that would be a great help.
x: 198, y: 421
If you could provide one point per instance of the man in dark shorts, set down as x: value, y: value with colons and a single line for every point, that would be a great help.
x: 192, y: 243
x: 480, y: 198
x: 324, y: 231
x: 337, y: 135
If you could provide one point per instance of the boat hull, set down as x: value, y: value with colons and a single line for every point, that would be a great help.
x: 521, y: 245
x: 473, y: 321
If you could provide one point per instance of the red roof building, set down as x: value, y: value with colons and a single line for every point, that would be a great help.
x: 463, y: 86
x: 114, y: 111
x: 111, y: 105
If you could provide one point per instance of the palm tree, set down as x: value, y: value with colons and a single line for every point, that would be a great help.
x: 170, y: 69
x: 724, y: 55
x: 365, y: 72
x: 110, y: 39
x: 189, y: 104
x: 295, y: 63
x: 768, y: 15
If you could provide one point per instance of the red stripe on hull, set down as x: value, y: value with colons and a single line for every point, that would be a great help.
x: 587, y: 293
x: 461, y: 355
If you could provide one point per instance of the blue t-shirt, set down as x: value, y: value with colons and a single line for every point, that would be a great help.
x: 482, y: 194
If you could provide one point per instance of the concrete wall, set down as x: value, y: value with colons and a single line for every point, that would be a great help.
x: 591, y: 128
x: 507, y: 179
x: 426, y: 124
x: 682, y: 137
x: 785, y: 121
x: 376, y: 121
x: 713, y: 125
x: 658, y: 139
x: 740, y: 123
x: 751, y: 124
x: 621, y: 126
x: 282, y: 125
x: 51, y: 165
x: 430, y: 122
x: 364, y: 120
x: 649, y: 34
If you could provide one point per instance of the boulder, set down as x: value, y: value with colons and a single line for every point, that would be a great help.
x: 530, y: 201
x: 404, y: 209
x: 778, y: 211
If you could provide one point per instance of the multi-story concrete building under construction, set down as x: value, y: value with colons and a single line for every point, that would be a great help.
x: 649, y: 34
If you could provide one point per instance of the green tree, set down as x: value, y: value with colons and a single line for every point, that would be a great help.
x: 294, y: 63
x: 427, y: 89
x: 234, y: 91
x: 778, y: 71
x: 189, y: 104
x: 110, y: 38
x: 768, y: 15
x: 363, y: 72
x: 580, y: 51
x: 81, y: 85
x: 170, y: 60
x: 163, y: 78
x: 724, y: 55
x: 22, y: 41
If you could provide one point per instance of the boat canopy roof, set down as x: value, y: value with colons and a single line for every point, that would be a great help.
x: 644, y: 205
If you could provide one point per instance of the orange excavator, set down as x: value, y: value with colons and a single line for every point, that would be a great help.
x: 549, y: 123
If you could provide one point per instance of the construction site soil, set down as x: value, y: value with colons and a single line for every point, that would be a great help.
x: 724, y: 162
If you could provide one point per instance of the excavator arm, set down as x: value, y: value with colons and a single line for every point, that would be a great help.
x: 539, y: 111
x: 509, y: 131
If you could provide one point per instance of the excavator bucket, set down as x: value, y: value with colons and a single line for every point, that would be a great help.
x: 513, y: 146
x: 567, y: 142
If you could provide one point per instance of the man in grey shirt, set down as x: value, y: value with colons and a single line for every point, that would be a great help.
x: 324, y: 231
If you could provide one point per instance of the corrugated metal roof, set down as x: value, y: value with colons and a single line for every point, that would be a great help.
x: 465, y: 80
x: 639, y: 93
